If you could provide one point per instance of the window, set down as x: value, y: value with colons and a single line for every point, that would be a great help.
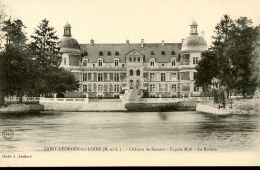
x: 151, y: 63
x: 163, y: 65
x: 174, y: 87
x: 85, y: 62
x: 100, y: 53
x: 100, y: 62
x: 173, y: 52
x: 85, y: 53
x: 138, y: 59
x: 100, y: 88
x: 152, y: 53
x: 85, y: 76
x: 173, y: 62
x: 163, y: 53
x: 134, y: 59
x: 152, y: 76
x: 162, y: 76
x: 116, y: 88
x: 130, y: 59
x: 195, y: 60
x: 173, y: 76
x: 109, y: 53
x: 152, y: 87
x: 116, y: 76
x: 131, y: 72
x: 100, y: 76
x: 64, y: 61
x: 85, y: 88
x: 117, y: 53
x: 116, y: 62
x: 196, y: 88
x: 138, y: 72
x: 123, y: 65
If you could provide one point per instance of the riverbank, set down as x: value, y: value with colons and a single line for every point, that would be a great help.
x: 21, y: 108
x: 236, y: 106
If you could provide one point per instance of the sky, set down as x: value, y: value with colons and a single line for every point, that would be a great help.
x: 115, y: 21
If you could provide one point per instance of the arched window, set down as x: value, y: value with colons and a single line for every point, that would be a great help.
x: 100, y: 53
x: 152, y: 53
x: 116, y: 62
x: 131, y: 72
x: 100, y: 62
x: 109, y: 53
x: 173, y: 62
x: 173, y: 52
x: 138, y: 59
x: 138, y: 72
x: 163, y: 53
x: 130, y: 59
x: 117, y: 53
x: 85, y: 53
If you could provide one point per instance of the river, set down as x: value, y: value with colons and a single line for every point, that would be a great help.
x: 36, y: 132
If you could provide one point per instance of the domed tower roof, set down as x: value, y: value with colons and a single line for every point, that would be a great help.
x: 67, y: 43
x: 194, y: 43
x: 67, y: 25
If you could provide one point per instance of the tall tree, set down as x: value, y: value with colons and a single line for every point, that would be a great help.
x: 2, y: 80
x: 2, y: 18
x: 49, y: 78
x: 234, y: 45
x: 15, y: 59
x: 44, y: 45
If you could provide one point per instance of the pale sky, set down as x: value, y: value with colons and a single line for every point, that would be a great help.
x: 114, y: 21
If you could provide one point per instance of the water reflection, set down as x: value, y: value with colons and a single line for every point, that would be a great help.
x: 34, y: 130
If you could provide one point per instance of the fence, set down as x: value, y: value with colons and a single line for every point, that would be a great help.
x: 64, y: 100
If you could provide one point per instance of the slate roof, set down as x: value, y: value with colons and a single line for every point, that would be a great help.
x: 124, y: 49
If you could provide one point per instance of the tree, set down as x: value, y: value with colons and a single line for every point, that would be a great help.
x: 2, y: 18
x: 240, y: 52
x: 44, y: 45
x: 233, y: 56
x: 15, y: 59
x: 2, y: 80
x: 48, y: 77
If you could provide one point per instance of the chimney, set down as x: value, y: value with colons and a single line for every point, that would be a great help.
x: 92, y: 42
x: 162, y: 42
x: 142, y: 42
x: 203, y: 34
x: 127, y: 41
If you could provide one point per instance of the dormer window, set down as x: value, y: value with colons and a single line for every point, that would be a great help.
x: 100, y: 62
x: 173, y: 52
x: 85, y: 53
x: 152, y: 61
x: 117, y: 53
x: 85, y: 62
x: 173, y: 62
x: 109, y: 53
x: 100, y: 53
x: 152, y: 53
x: 163, y: 52
x: 116, y: 61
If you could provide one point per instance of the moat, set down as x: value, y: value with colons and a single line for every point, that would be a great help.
x: 175, y: 131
